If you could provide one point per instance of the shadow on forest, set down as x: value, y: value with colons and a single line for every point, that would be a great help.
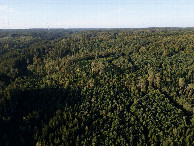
x: 29, y: 109
x: 178, y: 106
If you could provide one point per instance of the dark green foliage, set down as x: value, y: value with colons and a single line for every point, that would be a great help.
x: 97, y: 87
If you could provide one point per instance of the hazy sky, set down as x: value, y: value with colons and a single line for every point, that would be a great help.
x: 96, y: 13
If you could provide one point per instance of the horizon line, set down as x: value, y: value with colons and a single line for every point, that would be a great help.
x: 94, y: 28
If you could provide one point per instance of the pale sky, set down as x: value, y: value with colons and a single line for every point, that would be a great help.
x: 96, y: 13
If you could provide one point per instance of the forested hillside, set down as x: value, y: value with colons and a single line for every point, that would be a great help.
x: 97, y: 87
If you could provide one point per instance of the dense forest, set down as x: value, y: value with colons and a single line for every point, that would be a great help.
x: 97, y: 87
